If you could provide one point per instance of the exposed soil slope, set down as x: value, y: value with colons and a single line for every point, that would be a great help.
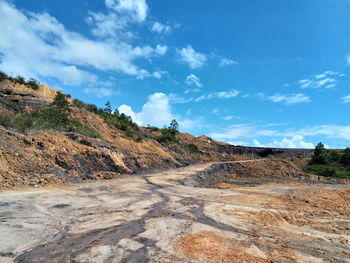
x: 42, y: 157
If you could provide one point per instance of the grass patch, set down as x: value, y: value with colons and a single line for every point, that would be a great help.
x: 328, y: 170
x: 192, y: 148
x: 11, y: 106
x: 46, y: 119
x: 168, y: 136
x: 31, y: 83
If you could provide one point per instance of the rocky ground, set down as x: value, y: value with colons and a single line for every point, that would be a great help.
x: 169, y: 217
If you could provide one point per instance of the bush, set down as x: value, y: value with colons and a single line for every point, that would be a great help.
x: 328, y: 172
x: 5, y: 120
x: 91, y: 108
x: 3, y: 76
x: 20, y: 80
x: 46, y: 119
x: 33, y: 83
x: 168, y: 136
x: 191, y: 147
x: 12, y: 106
x: 345, y: 158
x: 320, y: 154
x: 79, y: 103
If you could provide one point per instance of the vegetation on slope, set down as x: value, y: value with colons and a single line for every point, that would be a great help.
x: 56, y: 116
x: 330, y: 163
x: 32, y: 83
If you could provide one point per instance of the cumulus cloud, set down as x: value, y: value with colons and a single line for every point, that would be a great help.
x: 325, y: 80
x: 218, y: 95
x: 157, y: 111
x: 296, y: 141
x: 289, y: 99
x: 160, y: 28
x: 227, y: 118
x: 346, y: 99
x: 101, y: 92
x: 60, y: 53
x: 135, y: 9
x: 193, y: 80
x: 227, y: 62
x: 109, y: 25
x: 161, y: 50
x: 238, y: 131
x: 286, y: 136
x: 191, y: 57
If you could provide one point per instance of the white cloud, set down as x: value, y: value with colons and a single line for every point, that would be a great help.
x: 238, y: 131
x: 296, y: 141
x: 328, y: 130
x: 241, y: 143
x: 60, y: 53
x: 191, y: 57
x: 161, y: 50
x: 193, y: 80
x: 128, y: 111
x: 286, y: 136
x: 160, y: 28
x: 101, y: 92
x: 289, y: 99
x: 143, y: 73
x: 135, y: 9
x: 218, y: 95
x: 157, y: 111
x: 227, y: 62
x: 325, y: 80
x: 191, y: 91
x: 346, y: 99
x: 227, y: 118
x: 108, y: 25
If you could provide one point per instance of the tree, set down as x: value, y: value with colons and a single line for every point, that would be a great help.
x: 320, y: 154
x: 3, y: 76
x: 174, y: 125
x: 61, y: 104
x: 33, y: 83
x: 116, y: 112
x: 345, y: 158
x: 20, y: 80
x: 108, y: 108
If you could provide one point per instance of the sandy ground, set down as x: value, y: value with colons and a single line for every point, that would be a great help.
x: 158, y: 218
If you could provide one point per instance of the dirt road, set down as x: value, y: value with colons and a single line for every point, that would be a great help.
x: 162, y: 218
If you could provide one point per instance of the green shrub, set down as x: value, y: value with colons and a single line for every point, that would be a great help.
x: 320, y: 155
x: 78, y: 103
x: 5, y: 120
x: 328, y: 172
x: 91, y: 108
x: 33, y: 83
x: 20, y: 80
x: 168, y: 136
x: 191, y: 147
x: 12, y: 106
x: 345, y: 157
x: 3, y: 76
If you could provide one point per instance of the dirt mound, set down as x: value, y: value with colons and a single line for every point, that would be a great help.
x: 250, y: 172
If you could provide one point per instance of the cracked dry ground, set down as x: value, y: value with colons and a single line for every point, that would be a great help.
x: 161, y: 218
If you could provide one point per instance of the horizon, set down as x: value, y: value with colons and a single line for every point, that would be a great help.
x: 255, y: 74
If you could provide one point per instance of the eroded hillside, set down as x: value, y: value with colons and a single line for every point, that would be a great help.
x: 36, y: 157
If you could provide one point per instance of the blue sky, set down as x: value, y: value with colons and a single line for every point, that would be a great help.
x: 261, y: 73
